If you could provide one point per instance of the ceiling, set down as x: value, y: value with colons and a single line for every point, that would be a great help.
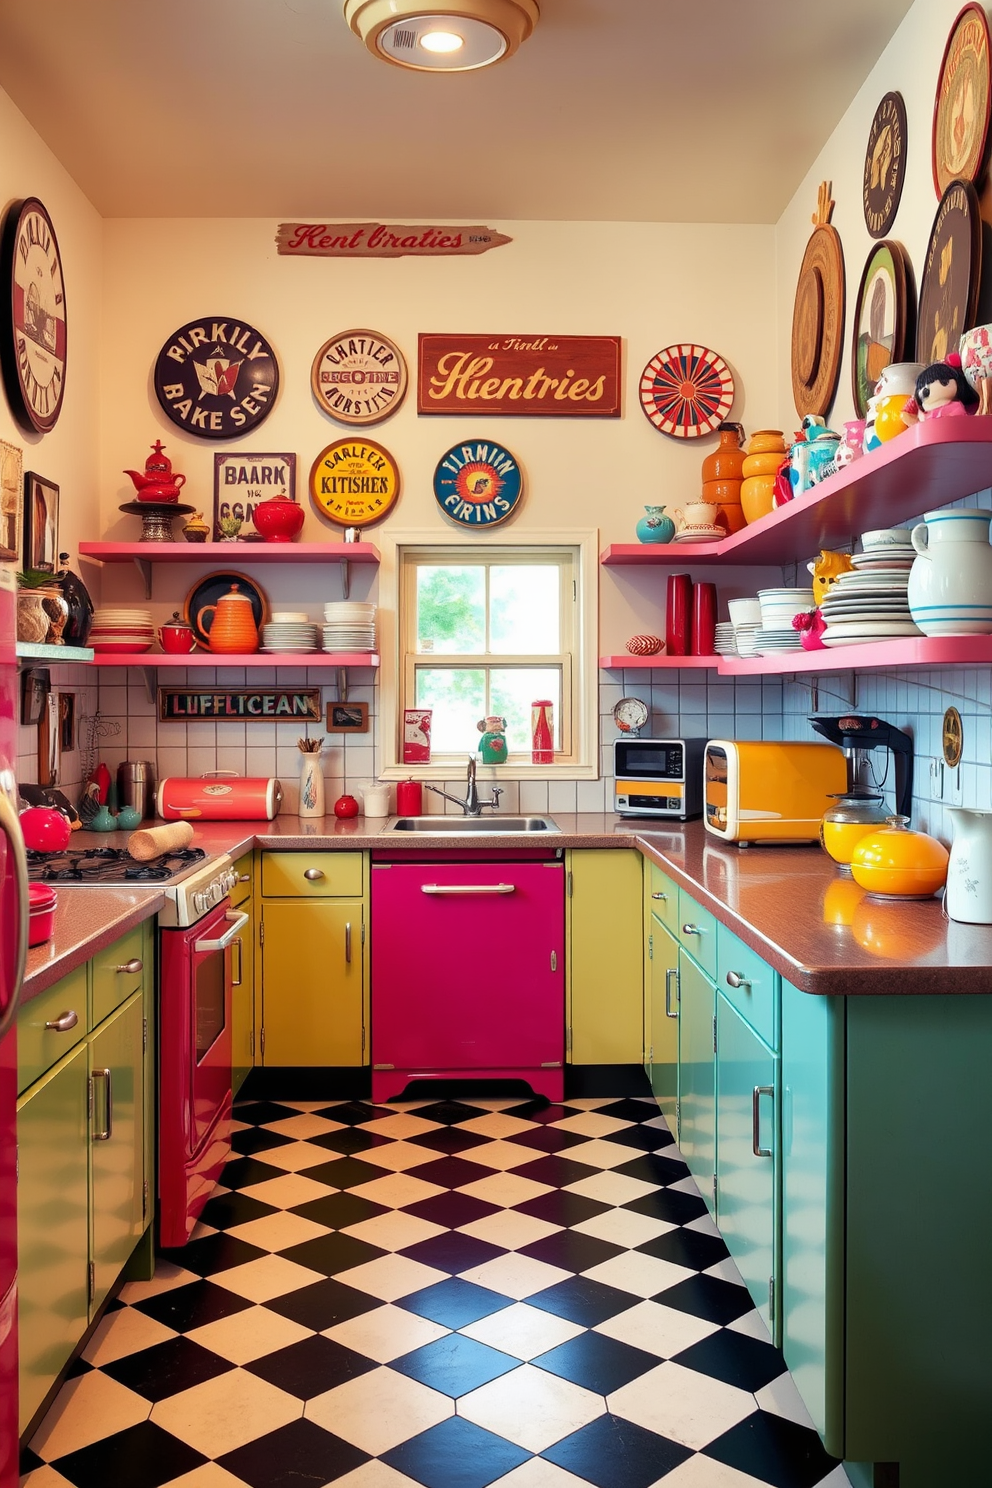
x: 628, y: 110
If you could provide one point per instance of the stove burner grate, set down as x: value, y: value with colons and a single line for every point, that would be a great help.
x: 109, y: 866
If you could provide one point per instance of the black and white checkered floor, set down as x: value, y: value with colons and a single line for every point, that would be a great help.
x: 447, y: 1294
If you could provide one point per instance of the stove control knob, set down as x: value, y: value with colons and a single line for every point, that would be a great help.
x: 199, y: 903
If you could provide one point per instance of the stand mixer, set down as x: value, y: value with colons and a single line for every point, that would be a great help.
x: 861, y: 807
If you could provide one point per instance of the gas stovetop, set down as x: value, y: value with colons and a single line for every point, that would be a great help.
x: 110, y: 867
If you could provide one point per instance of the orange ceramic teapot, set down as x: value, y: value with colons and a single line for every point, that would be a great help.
x: 232, y: 628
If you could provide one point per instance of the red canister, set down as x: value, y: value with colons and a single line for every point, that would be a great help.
x: 42, y: 900
x: 703, y: 619
x: 678, y: 620
x: 409, y: 798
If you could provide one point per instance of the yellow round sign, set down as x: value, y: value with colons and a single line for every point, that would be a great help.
x: 354, y: 482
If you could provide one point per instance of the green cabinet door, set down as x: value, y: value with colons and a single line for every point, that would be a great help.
x: 52, y: 1226
x: 243, y: 997
x: 663, y: 1006
x: 747, y: 1117
x: 697, y: 1087
x: 117, y: 1143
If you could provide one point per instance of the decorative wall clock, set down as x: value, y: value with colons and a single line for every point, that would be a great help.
x: 478, y: 484
x: 686, y: 391
x: 359, y: 377
x: 217, y: 377
x: 885, y: 165
x: 354, y: 482
x: 882, y: 318
x: 951, y: 274
x: 818, y: 314
x: 33, y: 334
x: 961, y: 107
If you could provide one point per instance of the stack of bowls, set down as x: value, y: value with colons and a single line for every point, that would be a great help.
x: 745, y: 617
x: 116, y: 632
x: 870, y: 603
x: 290, y: 632
x: 349, y: 625
x: 778, y: 607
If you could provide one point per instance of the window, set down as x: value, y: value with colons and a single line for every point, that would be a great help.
x: 490, y: 632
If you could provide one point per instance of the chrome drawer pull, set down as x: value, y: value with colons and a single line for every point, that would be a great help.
x: 347, y: 941
x: 659, y: 896
x: 499, y: 888
x: 735, y: 980
x: 64, y: 1022
x: 314, y: 874
x: 131, y: 968
x: 691, y: 930
x: 671, y: 971
x: 108, y: 1130
x: 756, y: 1147
x: 236, y: 981
x: 244, y: 878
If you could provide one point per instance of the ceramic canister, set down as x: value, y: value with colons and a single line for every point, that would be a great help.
x: 950, y: 583
x: 969, y: 872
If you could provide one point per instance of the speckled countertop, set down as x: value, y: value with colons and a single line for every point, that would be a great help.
x: 788, y: 903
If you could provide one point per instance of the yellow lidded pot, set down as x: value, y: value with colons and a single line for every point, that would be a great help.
x: 894, y: 860
x: 844, y: 824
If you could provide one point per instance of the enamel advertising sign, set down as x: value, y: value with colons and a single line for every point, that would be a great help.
x: 217, y: 377
x: 477, y: 484
x: 383, y: 240
x: 521, y: 376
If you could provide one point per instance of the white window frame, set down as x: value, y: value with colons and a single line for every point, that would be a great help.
x: 584, y: 679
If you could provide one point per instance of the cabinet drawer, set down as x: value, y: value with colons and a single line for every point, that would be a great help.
x: 242, y: 889
x: 312, y: 875
x: 664, y: 899
x: 39, y: 1047
x: 117, y: 973
x: 700, y: 940
x: 755, y: 995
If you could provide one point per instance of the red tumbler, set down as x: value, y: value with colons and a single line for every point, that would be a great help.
x: 678, y: 619
x: 409, y: 798
x: 703, y: 619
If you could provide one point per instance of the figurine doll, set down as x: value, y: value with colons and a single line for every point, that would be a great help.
x: 942, y: 391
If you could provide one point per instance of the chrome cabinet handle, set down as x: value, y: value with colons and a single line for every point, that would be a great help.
x: 671, y: 971
x: 237, y: 980
x: 735, y: 980
x: 499, y: 888
x: 244, y: 878
x: 130, y: 968
x: 691, y: 930
x: 108, y: 1128
x: 757, y: 1093
x: 64, y: 1022
x: 239, y: 921
x: 347, y: 941
x: 659, y: 896
x: 314, y: 874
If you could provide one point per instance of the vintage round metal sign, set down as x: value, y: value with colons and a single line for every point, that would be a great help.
x: 478, y: 484
x: 354, y: 482
x: 34, y: 338
x: 359, y: 377
x: 217, y: 377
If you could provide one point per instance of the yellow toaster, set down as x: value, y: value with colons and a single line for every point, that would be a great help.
x: 769, y: 792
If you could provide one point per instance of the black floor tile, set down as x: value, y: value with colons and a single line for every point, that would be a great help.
x: 629, y: 1110
x: 707, y: 1297
x: 354, y: 1113
x: 451, y: 1209
x: 613, y: 1453
x: 562, y: 1208
x: 166, y: 1368
x: 339, y: 1210
x: 541, y: 1111
x: 450, y: 1139
x: 192, y: 1306
x: 455, y: 1454
x: 452, y: 1252
x: 349, y: 1140
x: 332, y: 1253
x: 596, y: 1362
x: 300, y: 1455
x: 78, y: 1367
x: 449, y: 1112
x: 686, y: 1248
x: 257, y: 1139
x: 229, y: 1209
x: 213, y: 1254
x: 451, y: 1172
x: 548, y: 1139
x: 455, y: 1303
x: 748, y: 1363
x: 583, y: 1301
x: 345, y: 1172
x: 29, y: 1461
x: 558, y: 1171
x: 571, y: 1250
x: 323, y: 1304
x: 671, y: 1204
x: 142, y: 1454
x: 242, y: 1172
x: 774, y: 1451
x: 455, y: 1365
x: 260, y: 1113
x: 654, y: 1167
x: 310, y: 1367
x: 647, y: 1138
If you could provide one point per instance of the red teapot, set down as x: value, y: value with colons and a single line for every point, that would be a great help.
x: 157, y: 482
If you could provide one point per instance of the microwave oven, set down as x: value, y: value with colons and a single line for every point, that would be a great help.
x: 658, y: 777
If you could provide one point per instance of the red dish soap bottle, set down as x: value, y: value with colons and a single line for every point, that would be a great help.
x: 542, y: 736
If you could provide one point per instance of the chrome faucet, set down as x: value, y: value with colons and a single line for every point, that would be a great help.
x: 471, y: 805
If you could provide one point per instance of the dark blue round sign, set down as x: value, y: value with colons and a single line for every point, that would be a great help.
x: 477, y: 483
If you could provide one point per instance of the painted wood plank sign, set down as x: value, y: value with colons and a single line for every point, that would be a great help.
x: 383, y: 240
x: 232, y: 704
x: 521, y: 376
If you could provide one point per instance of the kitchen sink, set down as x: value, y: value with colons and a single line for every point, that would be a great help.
x: 473, y: 826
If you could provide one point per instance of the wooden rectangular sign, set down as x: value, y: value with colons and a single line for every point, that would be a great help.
x: 536, y: 376
x: 383, y: 240
x: 239, y: 704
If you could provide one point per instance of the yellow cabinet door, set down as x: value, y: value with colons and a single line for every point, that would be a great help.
x: 312, y: 982
x: 243, y: 998
x: 605, y: 964
x: 117, y: 1145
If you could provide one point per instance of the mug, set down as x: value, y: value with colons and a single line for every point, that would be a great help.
x: 696, y: 514
x: 176, y: 639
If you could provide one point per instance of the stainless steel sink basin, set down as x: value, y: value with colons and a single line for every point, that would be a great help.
x: 472, y: 826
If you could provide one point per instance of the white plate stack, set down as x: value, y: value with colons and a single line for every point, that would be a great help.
x: 870, y: 604
x: 725, y: 643
x: 778, y: 606
x: 349, y: 625
x: 290, y: 632
x: 121, y: 631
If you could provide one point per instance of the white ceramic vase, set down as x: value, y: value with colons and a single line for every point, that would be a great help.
x: 968, y: 895
x: 950, y: 585
x: 311, y: 786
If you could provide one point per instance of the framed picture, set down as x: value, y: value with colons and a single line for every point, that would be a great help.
x: 35, y: 686
x: 347, y: 718
x: 11, y: 488
x: 882, y: 318
x: 241, y: 482
x: 41, y: 523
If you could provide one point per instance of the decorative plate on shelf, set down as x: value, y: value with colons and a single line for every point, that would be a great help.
x: 882, y: 314
x: 961, y: 107
x: 885, y: 165
x: 686, y: 391
x: 216, y: 377
x: 951, y: 274
x: 211, y: 588
x: 354, y: 482
x: 33, y: 335
x: 818, y: 314
x: 359, y: 377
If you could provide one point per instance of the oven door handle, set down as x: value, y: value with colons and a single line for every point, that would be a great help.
x: 238, y: 922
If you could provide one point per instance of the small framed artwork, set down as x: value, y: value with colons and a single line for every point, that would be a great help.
x: 41, y: 523
x: 11, y: 487
x: 347, y: 718
x: 35, y: 686
x: 241, y: 482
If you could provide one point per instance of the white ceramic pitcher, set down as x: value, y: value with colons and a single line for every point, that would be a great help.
x: 950, y: 585
x: 968, y: 895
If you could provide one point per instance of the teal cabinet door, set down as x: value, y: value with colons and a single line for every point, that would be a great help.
x: 697, y: 1086
x: 663, y: 1024
x: 117, y: 1145
x: 747, y: 1107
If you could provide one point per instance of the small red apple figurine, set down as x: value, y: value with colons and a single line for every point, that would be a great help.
x: 345, y: 806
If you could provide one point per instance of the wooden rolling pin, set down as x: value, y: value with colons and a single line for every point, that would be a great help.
x: 151, y: 842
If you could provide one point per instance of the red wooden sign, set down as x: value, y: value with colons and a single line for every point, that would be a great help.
x: 524, y: 376
x: 383, y: 240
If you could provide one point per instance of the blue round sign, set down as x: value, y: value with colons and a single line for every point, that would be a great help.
x: 477, y: 483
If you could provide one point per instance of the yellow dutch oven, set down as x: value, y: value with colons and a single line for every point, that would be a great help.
x: 893, y: 860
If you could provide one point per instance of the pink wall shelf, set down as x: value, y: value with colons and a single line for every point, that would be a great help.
x: 626, y: 662
x: 144, y: 555
x: 912, y: 651
x: 931, y: 465
x: 255, y: 659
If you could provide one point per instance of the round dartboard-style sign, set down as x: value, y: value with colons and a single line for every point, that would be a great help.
x: 33, y: 337
x: 961, y: 109
x: 885, y: 165
x: 478, y: 484
x: 686, y: 391
x: 354, y: 482
x: 217, y: 377
x: 359, y: 377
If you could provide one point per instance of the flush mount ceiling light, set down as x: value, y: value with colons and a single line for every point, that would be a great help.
x: 442, y: 37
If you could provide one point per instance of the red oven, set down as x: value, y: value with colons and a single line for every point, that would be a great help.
x: 200, y: 964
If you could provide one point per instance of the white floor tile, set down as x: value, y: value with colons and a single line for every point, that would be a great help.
x: 643, y: 1275
x: 522, y: 1331
x: 248, y: 1335
x: 373, y: 1474
x: 296, y: 1157
x: 378, y: 1410
x: 226, y: 1412
x: 87, y: 1408
x: 657, y: 1329
x: 752, y: 1326
x: 304, y: 1126
x: 516, y: 1275
x: 602, y: 1155
x: 391, y: 1276
x: 610, y: 1188
x: 399, y: 1157
x: 781, y: 1398
x: 394, y: 1230
x: 623, y: 1227
x: 401, y: 1126
x: 386, y: 1333
x: 278, y: 1231
x: 505, y: 1189
x: 706, y: 1472
x: 510, y: 1229
x: 167, y: 1277
x: 503, y: 1155
x: 539, y: 1474
x: 124, y: 1331
x: 725, y: 1270
x: 270, y: 1276
x: 705, y: 1226
x: 590, y: 1124
x: 397, y: 1190
x: 496, y: 1125
x: 209, y: 1475
x: 288, y: 1191
x: 682, y: 1404
x: 531, y: 1407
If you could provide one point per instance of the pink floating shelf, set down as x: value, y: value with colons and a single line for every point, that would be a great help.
x: 255, y: 659
x: 911, y: 651
x: 236, y: 553
x: 626, y: 662
x: 930, y: 465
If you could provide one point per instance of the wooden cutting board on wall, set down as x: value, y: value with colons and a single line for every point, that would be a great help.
x: 818, y: 314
